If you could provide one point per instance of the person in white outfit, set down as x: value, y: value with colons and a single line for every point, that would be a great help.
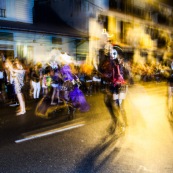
x: 35, y: 82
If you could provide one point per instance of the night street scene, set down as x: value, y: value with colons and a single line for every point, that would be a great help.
x: 86, y: 86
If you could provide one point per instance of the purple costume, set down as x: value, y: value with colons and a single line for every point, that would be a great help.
x: 76, y: 96
x: 78, y: 99
x: 66, y: 73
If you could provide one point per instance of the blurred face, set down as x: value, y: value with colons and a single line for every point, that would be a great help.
x: 8, y: 64
x: 19, y: 66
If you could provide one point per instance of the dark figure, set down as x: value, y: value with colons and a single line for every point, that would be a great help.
x: 113, y: 71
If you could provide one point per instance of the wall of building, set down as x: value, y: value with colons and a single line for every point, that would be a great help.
x: 77, y: 12
x: 18, y: 10
x: 36, y: 47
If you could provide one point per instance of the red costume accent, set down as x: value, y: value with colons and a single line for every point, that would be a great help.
x: 117, y: 77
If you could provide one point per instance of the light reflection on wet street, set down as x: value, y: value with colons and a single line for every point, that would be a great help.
x: 148, y: 141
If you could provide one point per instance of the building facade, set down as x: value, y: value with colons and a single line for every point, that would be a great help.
x: 135, y: 25
x: 31, y: 29
x: 24, y: 35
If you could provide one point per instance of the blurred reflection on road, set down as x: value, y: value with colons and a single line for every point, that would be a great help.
x: 149, y: 136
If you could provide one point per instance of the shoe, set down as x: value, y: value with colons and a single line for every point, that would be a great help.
x: 20, y: 113
x: 14, y: 104
x: 53, y: 104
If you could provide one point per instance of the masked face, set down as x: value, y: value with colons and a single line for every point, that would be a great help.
x: 113, y: 54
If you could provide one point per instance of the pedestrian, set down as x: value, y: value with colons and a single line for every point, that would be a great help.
x: 36, y: 82
x: 46, y: 82
x: 2, y: 57
x: 11, y: 96
x: 2, y: 98
x: 18, y: 74
x: 89, y: 84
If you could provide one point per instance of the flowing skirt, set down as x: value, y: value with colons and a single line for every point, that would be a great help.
x: 78, y: 100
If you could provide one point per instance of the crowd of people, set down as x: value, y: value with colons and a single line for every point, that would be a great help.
x: 150, y: 71
x: 60, y: 83
x: 63, y: 82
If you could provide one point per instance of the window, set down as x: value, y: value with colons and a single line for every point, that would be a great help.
x: 2, y: 8
x: 56, y: 40
x: 2, y: 13
x: 20, y: 51
x: 6, y: 36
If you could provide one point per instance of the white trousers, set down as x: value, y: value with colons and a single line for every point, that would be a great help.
x: 36, y: 87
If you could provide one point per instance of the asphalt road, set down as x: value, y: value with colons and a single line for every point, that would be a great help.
x: 145, y: 145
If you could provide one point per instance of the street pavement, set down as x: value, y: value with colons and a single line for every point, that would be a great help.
x: 146, y: 145
x: 15, y: 128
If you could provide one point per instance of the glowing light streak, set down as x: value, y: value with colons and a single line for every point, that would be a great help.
x: 49, y: 132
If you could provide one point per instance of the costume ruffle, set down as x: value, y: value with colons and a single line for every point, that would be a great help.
x: 78, y: 100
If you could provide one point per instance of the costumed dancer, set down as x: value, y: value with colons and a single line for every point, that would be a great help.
x: 75, y: 95
x: 112, y: 69
x: 43, y: 107
x: 119, y: 88
x: 118, y: 83
x: 56, y: 85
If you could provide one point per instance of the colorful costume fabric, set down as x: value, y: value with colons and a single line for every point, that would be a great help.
x: 78, y: 99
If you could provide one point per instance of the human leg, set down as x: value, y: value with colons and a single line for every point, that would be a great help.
x: 21, y: 104
x: 38, y: 88
x: 34, y: 85
x: 53, y: 96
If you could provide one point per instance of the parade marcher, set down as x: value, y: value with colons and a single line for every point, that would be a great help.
x: 56, y: 85
x: 118, y: 81
x: 72, y: 96
x: 67, y: 81
x: 75, y: 95
x: 78, y: 99
x: 112, y: 70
